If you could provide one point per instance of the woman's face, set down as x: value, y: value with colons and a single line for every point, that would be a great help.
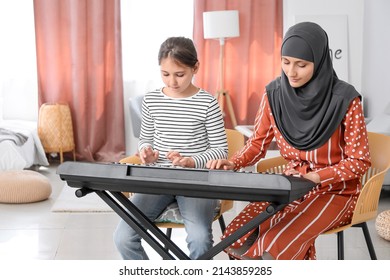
x: 298, y: 71
x: 176, y: 77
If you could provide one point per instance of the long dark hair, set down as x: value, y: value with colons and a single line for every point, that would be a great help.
x: 181, y: 49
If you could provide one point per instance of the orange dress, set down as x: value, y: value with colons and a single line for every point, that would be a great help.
x: 291, y: 232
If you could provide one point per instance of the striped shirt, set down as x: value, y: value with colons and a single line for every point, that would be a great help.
x: 192, y: 126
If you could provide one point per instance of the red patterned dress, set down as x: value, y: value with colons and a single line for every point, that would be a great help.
x: 291, y: 233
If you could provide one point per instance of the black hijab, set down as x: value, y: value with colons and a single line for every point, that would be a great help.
x: 309, y: 115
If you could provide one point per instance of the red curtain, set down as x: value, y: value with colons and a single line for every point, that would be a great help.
x: 251, y: 60
x: 79, y: 63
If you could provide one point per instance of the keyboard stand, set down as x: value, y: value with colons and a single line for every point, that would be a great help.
x: 108, y: 181
x: 157, y: 239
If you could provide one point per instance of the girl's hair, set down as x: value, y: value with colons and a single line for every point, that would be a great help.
x: 180, y: 49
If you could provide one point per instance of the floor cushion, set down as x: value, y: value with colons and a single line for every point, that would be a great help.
x: 23, y: 186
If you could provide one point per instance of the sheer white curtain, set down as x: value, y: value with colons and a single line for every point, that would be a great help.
x: 145, y: 25
x: 18, y: 71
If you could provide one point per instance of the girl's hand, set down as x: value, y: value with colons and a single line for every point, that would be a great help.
x: 220, y: 164
x: 148, y: 155
x: 178, y: 160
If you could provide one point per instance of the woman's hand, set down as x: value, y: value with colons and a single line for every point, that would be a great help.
x: 178, y: 160
x: 312, y: 176
x: 292, y: 172
x: 148, y: 155
x: 220, y: 164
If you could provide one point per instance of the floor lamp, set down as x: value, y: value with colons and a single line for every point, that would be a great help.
x: 222, y: 25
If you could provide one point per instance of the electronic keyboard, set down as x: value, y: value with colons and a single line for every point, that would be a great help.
x: 205, y: 183
x: 110, y: 180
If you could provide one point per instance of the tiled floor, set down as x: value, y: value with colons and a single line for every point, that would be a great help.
x: 32, y: 231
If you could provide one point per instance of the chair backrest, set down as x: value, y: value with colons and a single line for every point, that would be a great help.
x: 135, y: 108
x: 380, y: 154
x: 367, y: 203
x: 235, y: 140
x: 275, y: 165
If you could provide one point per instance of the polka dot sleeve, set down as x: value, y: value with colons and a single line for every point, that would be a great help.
x: 356, y: 155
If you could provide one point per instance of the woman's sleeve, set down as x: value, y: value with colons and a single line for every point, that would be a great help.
x: 356, y: 159
x: 257, y: 145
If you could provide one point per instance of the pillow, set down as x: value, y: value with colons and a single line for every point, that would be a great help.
x: 171, y: 214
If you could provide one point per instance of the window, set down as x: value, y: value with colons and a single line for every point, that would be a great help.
x: 18, y: 70
x: 145, y: 25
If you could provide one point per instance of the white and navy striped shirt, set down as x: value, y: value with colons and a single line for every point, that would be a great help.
x: 192, y: 126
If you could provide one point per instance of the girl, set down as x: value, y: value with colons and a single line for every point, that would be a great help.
x: 182, y: 125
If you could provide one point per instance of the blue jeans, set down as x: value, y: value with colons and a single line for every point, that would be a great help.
x: 197, y: 214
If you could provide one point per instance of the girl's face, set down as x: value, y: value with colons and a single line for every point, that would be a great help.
x: 298, y: 71
x: 177, y: 78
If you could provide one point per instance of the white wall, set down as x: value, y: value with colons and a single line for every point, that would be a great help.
x: 145, y: 25
x: 376, y: 57
x: 368, y: 39
x: 18, y: 70
x: 352, y: 8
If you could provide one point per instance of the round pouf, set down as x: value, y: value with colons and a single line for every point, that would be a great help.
x: 23, y: 186
x: 382, y: 224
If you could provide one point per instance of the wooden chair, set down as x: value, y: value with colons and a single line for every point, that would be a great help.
x: 236, y: 141
x: 372, y: 181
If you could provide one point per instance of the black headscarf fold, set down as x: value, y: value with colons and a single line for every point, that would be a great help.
x: 308, y: 116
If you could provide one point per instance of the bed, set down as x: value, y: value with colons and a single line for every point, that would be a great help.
x: 20, y: 147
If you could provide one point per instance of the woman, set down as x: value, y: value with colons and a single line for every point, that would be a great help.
x: 318, y: 123
x: 182, y: 125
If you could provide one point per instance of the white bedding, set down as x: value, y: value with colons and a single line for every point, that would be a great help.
x: 18, y: 157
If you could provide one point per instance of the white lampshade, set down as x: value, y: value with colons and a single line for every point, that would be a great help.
x: 221, y: 24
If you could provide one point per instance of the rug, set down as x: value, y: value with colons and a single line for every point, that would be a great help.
x: 68, y: 202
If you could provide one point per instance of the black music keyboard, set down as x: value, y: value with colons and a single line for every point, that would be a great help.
x: 217, y: 184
